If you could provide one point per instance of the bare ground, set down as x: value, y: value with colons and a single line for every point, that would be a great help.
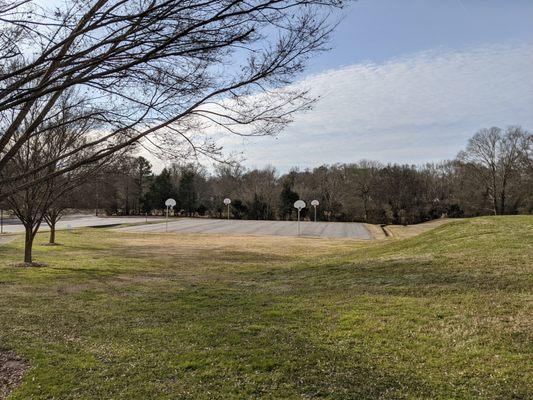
x: 12, y: 369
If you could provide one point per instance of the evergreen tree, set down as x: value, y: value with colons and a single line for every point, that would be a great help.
x: 161, y: 189
x: 258, y: 209
x: 187, y: 197
x: 287, y: 198
x: 143, y: 177
x: 239, y: 209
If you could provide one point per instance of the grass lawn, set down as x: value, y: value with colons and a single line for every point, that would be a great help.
x: 446, y: 314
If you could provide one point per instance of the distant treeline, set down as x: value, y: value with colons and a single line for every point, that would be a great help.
x: 493, y: 175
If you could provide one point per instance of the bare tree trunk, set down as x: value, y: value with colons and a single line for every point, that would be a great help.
x: 127, y: 205
x: 503, y: 196
x: 52, y: 232
x: 51, y: 218
x: 28, y: 244
x: 365, y: 207
x: 494, y: 194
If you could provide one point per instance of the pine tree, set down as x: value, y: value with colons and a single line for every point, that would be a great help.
x: 160, y: 190
x: 287, y: 198
x: 187, y: 197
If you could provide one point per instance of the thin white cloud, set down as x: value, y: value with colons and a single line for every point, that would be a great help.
x: 414, y: 109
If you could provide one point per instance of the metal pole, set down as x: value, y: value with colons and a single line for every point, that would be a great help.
x: 298, y: 222
x: 1, y: 221
x: 315, y: 213
x: 166, y: 222
x: 228, y: 212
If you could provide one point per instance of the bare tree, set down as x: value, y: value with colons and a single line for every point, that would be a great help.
x: 362, y: 181
x: 496, y: 157
x: 52, y: 217
x: 366, y: 191
x: 69, y: 199
x: 32, y: 203
x: 162, y: 72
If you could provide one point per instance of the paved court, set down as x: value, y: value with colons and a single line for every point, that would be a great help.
x: 350, y: 230
x: 79, y: 221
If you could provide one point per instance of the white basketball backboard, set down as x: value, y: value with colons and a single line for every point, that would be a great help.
x: 299, y: 204
x: 170, y: 203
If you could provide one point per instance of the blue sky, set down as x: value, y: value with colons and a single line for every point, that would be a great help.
x: 409, y: 82
x: 378, y: 30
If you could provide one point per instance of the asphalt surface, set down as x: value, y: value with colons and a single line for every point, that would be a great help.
x: 350, y: 230
x: 79, y: 221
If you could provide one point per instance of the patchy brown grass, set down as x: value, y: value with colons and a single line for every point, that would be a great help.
x: 376, y: 231
x: 443, y: 315
x: 208, y: 246
x: 408, y: 231
x: 5, y: 239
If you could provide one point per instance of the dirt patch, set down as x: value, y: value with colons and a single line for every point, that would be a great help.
x: 30, y: 265
x: 12, y: 369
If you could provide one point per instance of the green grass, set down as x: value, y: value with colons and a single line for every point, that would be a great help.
x: 443, y: 315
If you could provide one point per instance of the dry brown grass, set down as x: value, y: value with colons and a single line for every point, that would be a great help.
x: 408, y: 231
x: 187, y: 245
x: 4, y: 239
x: 376, y: 231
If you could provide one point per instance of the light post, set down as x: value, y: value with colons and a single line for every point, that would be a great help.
x: 169, y: 203
x: 227, y: 202
x: 299, y: 204
x: 315, y: 203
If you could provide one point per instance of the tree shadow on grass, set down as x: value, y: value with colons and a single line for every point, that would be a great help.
x: 409, y: 277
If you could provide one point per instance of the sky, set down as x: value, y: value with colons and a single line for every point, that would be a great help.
x: 408, y: 82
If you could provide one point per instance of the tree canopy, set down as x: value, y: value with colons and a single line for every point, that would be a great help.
x: 156, y: 72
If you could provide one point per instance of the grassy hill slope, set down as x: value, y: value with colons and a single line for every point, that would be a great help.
x: 446, y: 314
